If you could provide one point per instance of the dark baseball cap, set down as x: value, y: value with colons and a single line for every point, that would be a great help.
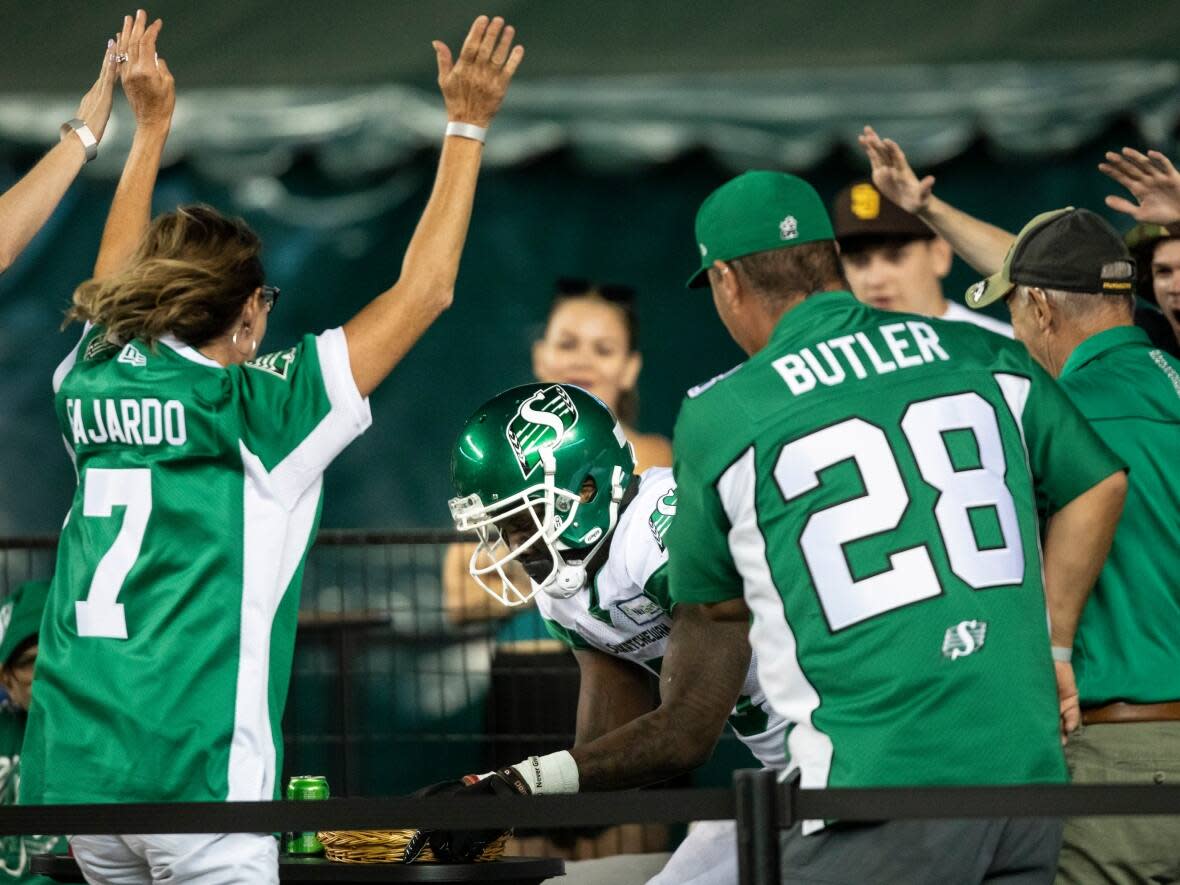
x: 860, y: 211
x: 756, y: 212
x: 1070, y: 249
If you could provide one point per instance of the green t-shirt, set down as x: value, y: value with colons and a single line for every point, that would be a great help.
x: 165, y: 650
x: 868, y: 480
x: 16, y: 851
x: 1127, y: 645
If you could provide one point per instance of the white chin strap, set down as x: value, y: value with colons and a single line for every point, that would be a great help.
x: 570, y: 577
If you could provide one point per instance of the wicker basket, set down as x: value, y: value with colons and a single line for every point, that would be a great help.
x: 387, y: 846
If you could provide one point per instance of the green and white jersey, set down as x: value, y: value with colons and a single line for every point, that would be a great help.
x: 16, y: 851
x: 165, y: 651
x: 627, y: 613
x: 869, y: 482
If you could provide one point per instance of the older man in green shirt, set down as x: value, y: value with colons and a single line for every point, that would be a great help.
x: 1067, y: 280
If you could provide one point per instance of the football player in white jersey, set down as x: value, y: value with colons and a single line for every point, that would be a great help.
x: 544, y: 478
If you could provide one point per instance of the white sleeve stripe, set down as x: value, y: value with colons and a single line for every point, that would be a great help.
x: 64, y: 367
x: 336, y: 368
x: 347, y: 418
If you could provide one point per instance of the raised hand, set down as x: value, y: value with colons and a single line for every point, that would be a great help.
x: 95, y: 107
x: 1152, y: 180
x: 892, y: 173
x: 147, y: 82
x: 474, y: 86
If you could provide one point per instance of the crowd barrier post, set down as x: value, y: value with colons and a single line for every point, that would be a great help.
x: 757, y: 817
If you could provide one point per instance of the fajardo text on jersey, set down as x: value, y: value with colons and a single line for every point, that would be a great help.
x: 132, y: 422
x: 899, y: 346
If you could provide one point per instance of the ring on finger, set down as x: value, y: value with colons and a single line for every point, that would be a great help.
x: 119, y: 57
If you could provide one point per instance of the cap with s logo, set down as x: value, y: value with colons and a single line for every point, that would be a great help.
x: 756, y: 212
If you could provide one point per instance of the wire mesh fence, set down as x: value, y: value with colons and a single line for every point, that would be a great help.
x: 404, y: 675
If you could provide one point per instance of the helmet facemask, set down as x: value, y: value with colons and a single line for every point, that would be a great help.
x: 543, y: 512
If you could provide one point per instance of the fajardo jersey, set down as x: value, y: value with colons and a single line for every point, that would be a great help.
x: 165, y: 651
x: 869, y: 482
x: 626, y: 611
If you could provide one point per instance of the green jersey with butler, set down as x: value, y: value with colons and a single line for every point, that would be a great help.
x: 867, y: 484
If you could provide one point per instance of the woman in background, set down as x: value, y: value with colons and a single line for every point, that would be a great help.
x: 591, y: 339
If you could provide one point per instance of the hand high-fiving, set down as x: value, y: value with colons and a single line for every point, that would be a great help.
x: 892, y: 173
x: 1152, y: 180
x: 147, y: 82
x: 95, y: 108
x: 474, y: 86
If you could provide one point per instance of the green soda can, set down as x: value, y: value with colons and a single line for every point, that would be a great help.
x: 301, y: 787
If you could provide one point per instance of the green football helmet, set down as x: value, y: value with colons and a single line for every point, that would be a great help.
x: 521, y: 467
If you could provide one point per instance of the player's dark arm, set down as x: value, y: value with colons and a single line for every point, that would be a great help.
x: 612, y: 692
x: 704, y: 668
x: 473, y: 88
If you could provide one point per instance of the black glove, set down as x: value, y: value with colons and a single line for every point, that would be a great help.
x: 462, y: 846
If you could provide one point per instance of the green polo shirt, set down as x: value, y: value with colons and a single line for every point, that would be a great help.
x: 1128, y: 642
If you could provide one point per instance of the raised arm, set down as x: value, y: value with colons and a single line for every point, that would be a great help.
x: 473, y: 88
x: 151, y: 92
x: 1152, y: 180
x: 27, y: 205
x: 982, y: 245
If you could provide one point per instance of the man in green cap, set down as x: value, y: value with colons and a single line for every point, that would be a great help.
x: 866, y: 485
x: 1068, y: 282
x: 20, y: 622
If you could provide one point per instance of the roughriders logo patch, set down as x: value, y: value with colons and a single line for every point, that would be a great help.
x: 661, y: 517
x: 277, y: 364
x: 542, y: 420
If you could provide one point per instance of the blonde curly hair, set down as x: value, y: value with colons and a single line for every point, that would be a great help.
x: 190, y: 277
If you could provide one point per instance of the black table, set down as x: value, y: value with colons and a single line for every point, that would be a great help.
x: 507, y: 871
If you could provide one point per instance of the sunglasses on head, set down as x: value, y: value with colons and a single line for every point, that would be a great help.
x: 618, y: 293
x: 270, y: 296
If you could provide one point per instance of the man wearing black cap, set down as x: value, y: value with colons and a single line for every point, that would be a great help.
x: 983, y: 245
x: 893, y: 260
x: 1068, y: 282
x: 865, y: 487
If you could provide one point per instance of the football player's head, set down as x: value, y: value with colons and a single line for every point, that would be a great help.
x: 539, y: 474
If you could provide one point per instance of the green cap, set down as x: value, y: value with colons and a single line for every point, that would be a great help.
x: 756, y: 212
x: 20, y: 616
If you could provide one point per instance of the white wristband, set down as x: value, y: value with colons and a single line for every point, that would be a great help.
x: 554, y: 773
x: 467, y: 130
x: 1062, y: 654
x: 79, y: 128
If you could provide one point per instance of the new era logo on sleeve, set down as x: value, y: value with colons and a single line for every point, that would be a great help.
x: 131, y: 356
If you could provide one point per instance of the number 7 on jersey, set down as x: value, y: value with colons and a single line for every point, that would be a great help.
x: 99, y: 614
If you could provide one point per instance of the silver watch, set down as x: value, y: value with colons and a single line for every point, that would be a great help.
x: 79, y: 127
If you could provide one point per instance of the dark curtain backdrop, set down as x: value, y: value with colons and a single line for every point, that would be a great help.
x: 532, y: 223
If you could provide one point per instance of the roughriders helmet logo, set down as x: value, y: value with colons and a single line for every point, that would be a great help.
x: 542, y: 420
x: 661, y: 518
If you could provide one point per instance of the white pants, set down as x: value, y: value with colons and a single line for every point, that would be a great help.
x: 189, y: 859
x: 707, y: 856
